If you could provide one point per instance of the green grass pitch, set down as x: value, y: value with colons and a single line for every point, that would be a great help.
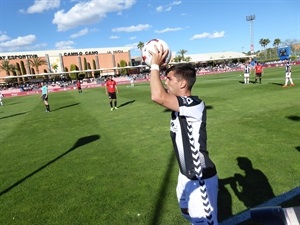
x: 83, y: 164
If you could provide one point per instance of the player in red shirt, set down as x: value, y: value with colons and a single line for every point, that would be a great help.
x: 258, y: 72
x: 78, y: 84
x: 111, y: 90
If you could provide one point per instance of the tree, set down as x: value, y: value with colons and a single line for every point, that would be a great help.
x: 140, y: 46
x: 37, y: 62
x: 276, y: 42
x: 182, y: 52
x: 7, y: 67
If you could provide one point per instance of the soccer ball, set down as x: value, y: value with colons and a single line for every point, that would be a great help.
x: 150, y: 46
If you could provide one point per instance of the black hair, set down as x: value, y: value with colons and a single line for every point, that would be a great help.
x: 184, y: 71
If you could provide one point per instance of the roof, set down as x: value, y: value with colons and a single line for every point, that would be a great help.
x: 216, y: 56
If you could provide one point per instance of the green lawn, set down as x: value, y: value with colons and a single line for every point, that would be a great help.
x: 83, y: 164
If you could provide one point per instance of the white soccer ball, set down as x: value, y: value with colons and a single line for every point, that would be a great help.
x: 150, y: 46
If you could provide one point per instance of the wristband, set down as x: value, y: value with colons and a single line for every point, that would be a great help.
x: 154, y: 67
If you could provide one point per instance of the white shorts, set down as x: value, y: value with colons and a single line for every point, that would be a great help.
x: 199, y: 197
x: 288, y: 74
x: 246, y: 75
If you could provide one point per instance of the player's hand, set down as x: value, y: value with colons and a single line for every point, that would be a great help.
x: 159, y: 55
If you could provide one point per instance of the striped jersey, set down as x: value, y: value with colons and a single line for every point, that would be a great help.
x: 188, y: 134
x: 247, y: 69
x: 288, y: 67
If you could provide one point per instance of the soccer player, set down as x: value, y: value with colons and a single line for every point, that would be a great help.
x: 111, y: 90
x: 247, y: 71
x: 288, y: 74
x: 258, y: 72
x: 44, y: 96
x: 197, y: 186
x: 1, y: 97
x: 78, y: 84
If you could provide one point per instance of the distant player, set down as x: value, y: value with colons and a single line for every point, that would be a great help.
x: 258, y: 72
x: 78, y: 84
x: 1, y: 97
x: 111, y: 90
x: 288, y: 74
x: 44, y: 96
x: 247, y: 71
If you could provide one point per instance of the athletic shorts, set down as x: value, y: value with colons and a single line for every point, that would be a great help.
x: 45, y: 97
x: 199, y: 197
x: 112, y: 95
x: 246, y: 75
x: 288, y: 74
x: 258, y: 74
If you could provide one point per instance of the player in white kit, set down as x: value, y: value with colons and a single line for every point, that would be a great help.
x: 197, y: 187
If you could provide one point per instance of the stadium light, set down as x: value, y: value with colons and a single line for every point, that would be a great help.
x: 250, y: 19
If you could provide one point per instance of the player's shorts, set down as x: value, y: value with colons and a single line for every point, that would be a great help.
x: 288, y: 74
x: 246, y: 75
x: 79, y: 88
x: 199, y: 197
x: 45, y: 97
x: 258, y: 74
x: 112, y: 95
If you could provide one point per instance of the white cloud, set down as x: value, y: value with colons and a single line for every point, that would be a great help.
x: 114, y: 37
x: 139, y: 27
x: 90, y: 12
x: 40, y: 6
x: 24, y: 43
x: 132, y: 38
x: 168, y: 7
x: 4, y: 37
x: 168, y: 30
x: 19, y: 41
x: 209, y: 35
x: 82, y: 32
x: 64, y: 45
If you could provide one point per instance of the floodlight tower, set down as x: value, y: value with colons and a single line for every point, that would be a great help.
x: 251, y: 18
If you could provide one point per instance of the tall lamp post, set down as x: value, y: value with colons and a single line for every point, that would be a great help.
x: 250, y: 19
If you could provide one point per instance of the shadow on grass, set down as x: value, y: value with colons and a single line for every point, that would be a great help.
x: 278, y: 84
x: 66, y: 106
x: 252, y: 189
x: 126, y: 103
x: 298, y: 148
x: 161, y: 198
x: 17, y: 114
x: 14, y: 103
x: 80, y: 142
x: 295, y: 118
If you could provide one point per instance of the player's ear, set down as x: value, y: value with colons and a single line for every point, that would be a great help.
x: 182, y: 83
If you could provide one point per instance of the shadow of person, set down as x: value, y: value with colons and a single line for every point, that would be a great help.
x: 253, y: 188
x: 80, y: 142
x: 224, y: 200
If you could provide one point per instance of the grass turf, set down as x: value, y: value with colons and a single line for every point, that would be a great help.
x: 83, y: 164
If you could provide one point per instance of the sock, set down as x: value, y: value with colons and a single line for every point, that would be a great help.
x: 110, y: 104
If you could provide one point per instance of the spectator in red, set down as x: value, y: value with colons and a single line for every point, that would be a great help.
x: 258, y: 72
x: 111, y: 90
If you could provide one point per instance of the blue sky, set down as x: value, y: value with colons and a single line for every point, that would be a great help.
x: 198, y: 26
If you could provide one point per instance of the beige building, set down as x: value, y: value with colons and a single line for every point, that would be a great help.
x: 92, y: 62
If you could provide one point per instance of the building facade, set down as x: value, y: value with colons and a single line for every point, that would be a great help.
x: 88, y: 62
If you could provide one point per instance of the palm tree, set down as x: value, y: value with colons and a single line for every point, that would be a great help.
x: 37, y: 62
x: 262, y: 43
x: 276, y: 42
x: 182, y: 52
x: 6, y: 66
x: 267, y: 41
x: 140, y: 46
